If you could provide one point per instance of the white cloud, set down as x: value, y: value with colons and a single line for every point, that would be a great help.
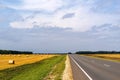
x: 36, y: 5
x: 83, y: 20
x: 21, y: 24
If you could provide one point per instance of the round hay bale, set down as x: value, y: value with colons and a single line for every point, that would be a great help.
x: 19, y: 55
x: 11, y: 62
x: 27, y: 55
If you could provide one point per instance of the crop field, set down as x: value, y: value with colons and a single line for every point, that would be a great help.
x: 20, y: 60
x: 46, y: 69
x: 113, y: 57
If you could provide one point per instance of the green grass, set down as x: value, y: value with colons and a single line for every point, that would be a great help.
x: 34, y: 71
x: 58, y: 70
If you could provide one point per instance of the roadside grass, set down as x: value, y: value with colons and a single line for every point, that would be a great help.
x: 112, y: 57
x: 57, y: 72
x: 34, y: 71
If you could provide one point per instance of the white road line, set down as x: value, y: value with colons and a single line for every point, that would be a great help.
x: 82, y: 69
x: 106, y: 65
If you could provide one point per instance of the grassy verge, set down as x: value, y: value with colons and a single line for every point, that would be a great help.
x: 57, y: 71
x: 34, y: 71
x: 112, y: 57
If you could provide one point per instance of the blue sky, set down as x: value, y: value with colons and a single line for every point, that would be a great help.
x: 59, y: 25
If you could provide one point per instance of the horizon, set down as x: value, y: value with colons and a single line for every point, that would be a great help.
x: 57, y: 26
x: 62, y: 52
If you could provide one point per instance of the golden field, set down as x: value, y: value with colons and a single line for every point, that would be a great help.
x: 20, y: 60
x: 109, y: 55
x: 114, y: 57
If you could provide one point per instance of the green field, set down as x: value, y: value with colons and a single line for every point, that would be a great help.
x: 36, y: 71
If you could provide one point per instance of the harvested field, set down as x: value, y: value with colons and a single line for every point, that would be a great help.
x: 36, y: 71
x: 20, y: 60
x: 113, y: 57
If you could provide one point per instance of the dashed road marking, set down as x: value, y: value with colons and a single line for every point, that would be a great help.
x: 106, y: 65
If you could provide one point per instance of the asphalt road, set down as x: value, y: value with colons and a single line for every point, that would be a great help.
x: 87, y: 68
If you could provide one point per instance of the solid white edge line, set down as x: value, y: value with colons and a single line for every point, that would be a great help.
x: 82, y: 69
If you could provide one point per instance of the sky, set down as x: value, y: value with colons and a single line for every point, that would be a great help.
x: 58, y: 26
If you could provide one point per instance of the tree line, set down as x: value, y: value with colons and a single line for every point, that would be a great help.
x: 14, y: 52
x: 98, y: 52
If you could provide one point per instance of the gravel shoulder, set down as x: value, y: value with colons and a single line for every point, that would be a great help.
x: 67, y: 74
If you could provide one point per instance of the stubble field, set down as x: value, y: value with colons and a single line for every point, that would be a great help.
x: 20, y: 60
x: 113, y: 57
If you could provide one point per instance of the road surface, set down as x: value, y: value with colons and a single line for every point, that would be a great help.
x: 87, y: 68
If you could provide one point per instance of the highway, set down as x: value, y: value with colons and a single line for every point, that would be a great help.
x: 88, y: 68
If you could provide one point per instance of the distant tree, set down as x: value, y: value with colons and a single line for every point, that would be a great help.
x: 97, y: 52
x: 69, y: 53
x: 14, y: 52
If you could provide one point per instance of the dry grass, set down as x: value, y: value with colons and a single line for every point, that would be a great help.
x: 20, y: 60
x: 114, y: 57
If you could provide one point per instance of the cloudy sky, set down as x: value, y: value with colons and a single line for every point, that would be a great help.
x: 60, y: 25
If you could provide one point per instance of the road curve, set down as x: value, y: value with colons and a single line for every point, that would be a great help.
x: 87, y: 68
